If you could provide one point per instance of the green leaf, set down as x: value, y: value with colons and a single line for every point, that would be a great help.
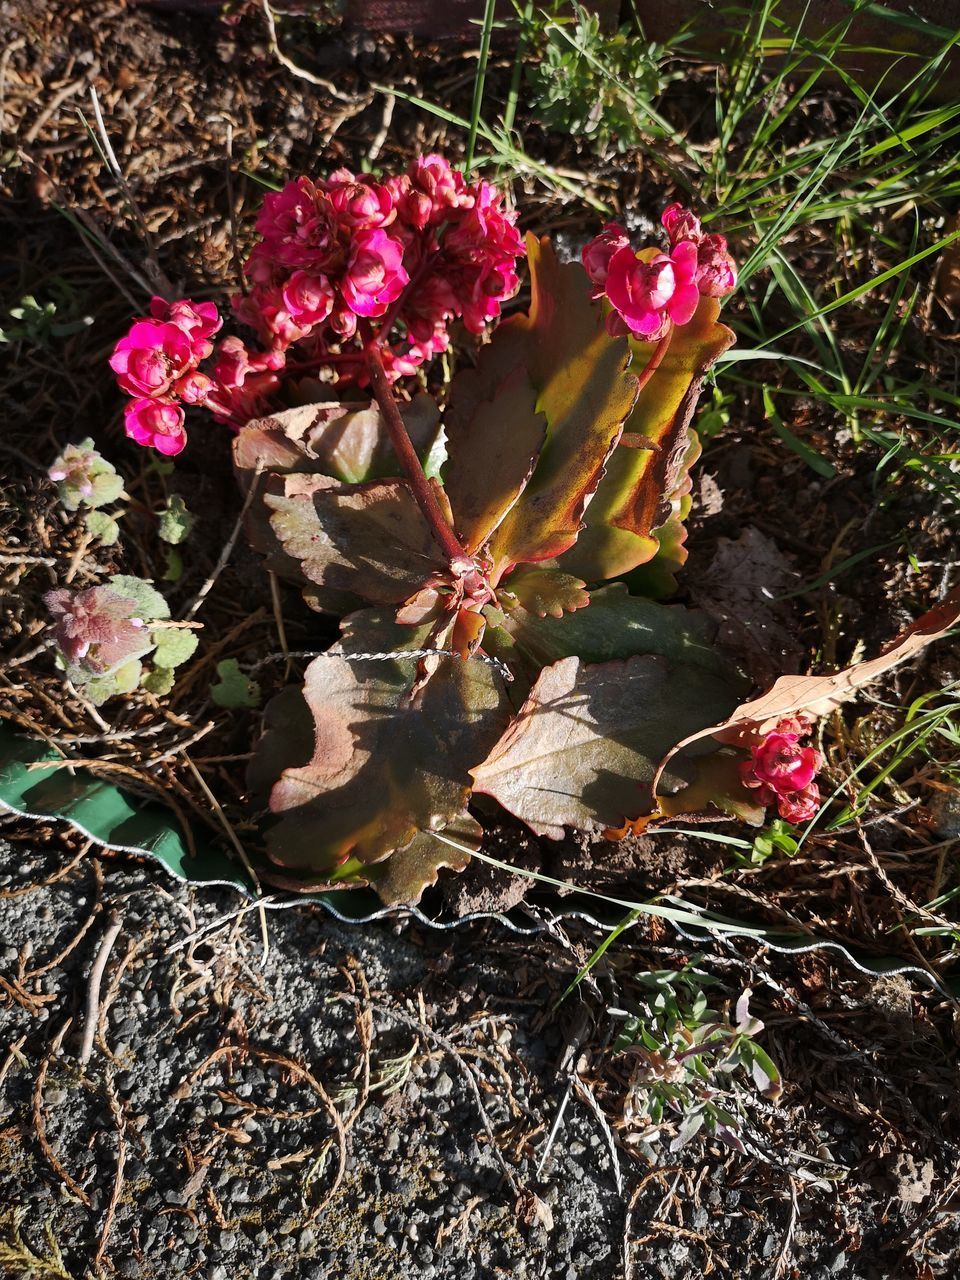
x: 84, y: 477
x: 370, y: 540
x: 97, y: 689
x: 584, y: 749
x: 175, y: 521
x: 639, y: 492
x: 100, y: 525
x: 159, y: 681
x: 619, y: 625
x: 494, y: 438
x: 384, y: 761
x: 107, y: 487
x: 233, y: 689
x: 173, y: 569
x: 151, y: 606
x: 174, y: 646
x: 583, y: 391
x: 545, y: 591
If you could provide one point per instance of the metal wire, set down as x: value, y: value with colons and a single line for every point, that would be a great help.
x: 395, y: 655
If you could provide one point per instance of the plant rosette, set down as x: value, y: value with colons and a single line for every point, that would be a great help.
x: 533, y: 527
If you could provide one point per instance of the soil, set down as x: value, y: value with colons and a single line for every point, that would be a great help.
x: 197, y: 1139
x: 390, y: 1100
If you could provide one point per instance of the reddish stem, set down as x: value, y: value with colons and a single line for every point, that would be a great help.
x: 331, y: 359
x: 403, y: 448
x: 659, y: 351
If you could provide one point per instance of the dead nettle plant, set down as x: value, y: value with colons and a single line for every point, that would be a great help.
x: 503, y: 558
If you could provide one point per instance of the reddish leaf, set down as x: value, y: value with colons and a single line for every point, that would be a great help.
x: 583, y: 750
x: 584, y: 393
x: 643, y: 489
x: 384, y: 766
x: 494, y: 438
x: 406, y: 873
x: 369, y: 539
x: 348, y: 441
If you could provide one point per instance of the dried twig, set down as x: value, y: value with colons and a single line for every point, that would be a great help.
x: 466, y: 1071
x: 114, y: 925
x: 116, y: 1110
x: 292, y: 66
x: 40, y: 1124
x: 235, y: 841
x: 227, y: 551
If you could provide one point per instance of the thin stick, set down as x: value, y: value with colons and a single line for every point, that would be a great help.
x: 231, y: 209
x: 403, y: 448
x: 90, y: 709
x: 113, y: 164
x: 297, y: 70
x: 114, y: 926
x: 116, y: 1111
x: 235, y: 841
x: 465, y: 1070
x: 376, y: 146
x: 40, y: 1124
x: 227, y: 551
x: 278, y: 619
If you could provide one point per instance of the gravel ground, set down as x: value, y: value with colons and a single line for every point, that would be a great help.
x: 371, y: 1102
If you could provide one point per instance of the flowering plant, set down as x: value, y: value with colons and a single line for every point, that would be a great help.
x: 504, y: 555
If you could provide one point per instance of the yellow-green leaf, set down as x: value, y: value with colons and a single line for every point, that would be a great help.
x: 642, y: 488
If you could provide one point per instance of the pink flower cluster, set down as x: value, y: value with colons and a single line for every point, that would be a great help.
x: 782, y: 772
x: 157, y: 364
x: 650, y: 291
x: 341, y: 262
x: 414, y: 251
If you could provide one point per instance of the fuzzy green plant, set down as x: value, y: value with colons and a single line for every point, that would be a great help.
x: 694, y: 1067
x: 87, y: 482
x: 104, y: 635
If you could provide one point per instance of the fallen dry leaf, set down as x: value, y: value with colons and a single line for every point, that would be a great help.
x: 818, y: 695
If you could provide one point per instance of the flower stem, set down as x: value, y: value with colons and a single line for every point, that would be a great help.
x: 403, y: 448
x: 659, y: 351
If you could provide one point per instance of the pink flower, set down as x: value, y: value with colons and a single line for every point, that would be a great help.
x: 597, y: 253
x: 297, y: 226
x: 716, y: 274
x: 680, y: 224
x: 490, y: 285
x: 198, y: 320
x: 781, y: 763
x: 308, y: 299
x: 193, y: 387
x: 375, y: 276
x: 359, y: 206
x: 242, y: 381
x: 648, y: 296
x: 782, y: 772
x: 96, y: 627
x: 157, y: 423
x: 151, y: 357
x: 434, y: 192
x: 799, y: 806
x: 343, y: 322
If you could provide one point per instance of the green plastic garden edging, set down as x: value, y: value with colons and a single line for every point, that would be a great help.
x: 37, y: 782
